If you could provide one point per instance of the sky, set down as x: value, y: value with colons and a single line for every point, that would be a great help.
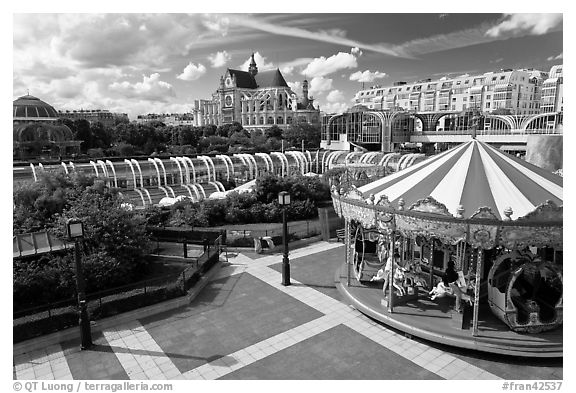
x: 160, y: 63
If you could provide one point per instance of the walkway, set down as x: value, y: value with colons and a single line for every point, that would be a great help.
x: 246, y: 325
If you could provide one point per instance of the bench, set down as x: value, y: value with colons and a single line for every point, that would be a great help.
x: 263, y: 242
x: 340, y: 234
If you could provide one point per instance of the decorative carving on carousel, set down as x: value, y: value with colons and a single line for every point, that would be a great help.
x: 514, y: 237
x: 526, y: 292
x: 363, y: 213
x: 483, y: 236
x: 385, y: 214
x: 430, y: 205
x: 445, y: 231
x: 354, y: 193
x: 485, y: 213
x: 545, y: 212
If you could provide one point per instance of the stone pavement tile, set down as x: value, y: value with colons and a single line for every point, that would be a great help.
x: 260, y: 350
x: 138, y: 353
x: 45, y: 363
x: 337, y: 353
x: 230, y: 323
x: 98, y: 362
x: 316, y: 273
x: 506, y: 367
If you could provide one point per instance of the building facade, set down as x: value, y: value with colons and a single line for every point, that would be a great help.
x: 171, y: 119
x: 514, y: 91
x: 107, y: 118
x: 552, y: 91
x: 37, y: 132
x: 257, y: 100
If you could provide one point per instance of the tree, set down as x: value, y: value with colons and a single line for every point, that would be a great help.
x: 83, y: 133
x: 115, y: 245
x: 274, y: 132
x: 109, y: 228
x: 236, y: 127
x: 101, y: 136
x: 209, y: 130
x: 36, y: 204
x: 240, y: 138
x: 308, y: 133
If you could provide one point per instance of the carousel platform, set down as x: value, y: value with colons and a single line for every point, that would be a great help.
x: 436, y: 321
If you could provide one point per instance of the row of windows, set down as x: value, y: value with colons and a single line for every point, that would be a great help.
x: 448, y: 84
x: 280, y: 120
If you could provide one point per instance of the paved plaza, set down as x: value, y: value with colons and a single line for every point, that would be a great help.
x: 246, y: 325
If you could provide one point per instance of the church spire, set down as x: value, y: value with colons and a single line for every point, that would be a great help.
x: 253, y: 69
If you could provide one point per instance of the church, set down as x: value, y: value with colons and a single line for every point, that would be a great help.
x: 257, y: 100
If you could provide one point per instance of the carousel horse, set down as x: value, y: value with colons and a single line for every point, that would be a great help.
x: 397, y: 282
x: 457, y: 288
x: 413, y: 275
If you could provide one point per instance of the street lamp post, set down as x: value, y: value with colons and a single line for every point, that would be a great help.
x: 284, y: 201
x: 75, y: 230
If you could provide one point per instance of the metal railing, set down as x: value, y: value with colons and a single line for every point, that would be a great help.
x: 487, y: 132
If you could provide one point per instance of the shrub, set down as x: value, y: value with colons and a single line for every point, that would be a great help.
x: 95, y: 152
x: 115, y: 245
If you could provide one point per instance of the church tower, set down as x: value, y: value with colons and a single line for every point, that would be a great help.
x: 305, y: 93
x: 253, y: 69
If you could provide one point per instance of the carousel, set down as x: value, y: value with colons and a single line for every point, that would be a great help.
x: 492, y: 220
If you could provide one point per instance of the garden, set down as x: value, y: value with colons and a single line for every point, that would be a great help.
x: 117, y: 242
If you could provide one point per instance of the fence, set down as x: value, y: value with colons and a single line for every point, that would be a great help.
x: 298, y: 229
x: 490, y: 132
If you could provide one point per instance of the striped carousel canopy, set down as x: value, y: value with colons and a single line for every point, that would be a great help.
x: 473, y: 175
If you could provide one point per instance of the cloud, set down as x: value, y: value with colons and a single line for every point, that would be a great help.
x: 356, y: 51
x: 192, y: 72
x: 535, y: 24
x: 145, y: 41
x: 335, y: 96
x: 333, y: 36
x: 334, y: 102
x: 335, y: 32
x: 518, y: 25
x: 334, y: 107
x: 260, y: 63
x: 322, y: 66
x: 219, y: 59
x: 319, y: 84
x: 296, y: 87
x: 217, y: 23
x: 367, y: 76
x: 557, y: 57
x: 289, y: 66
x: 151, y: 88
